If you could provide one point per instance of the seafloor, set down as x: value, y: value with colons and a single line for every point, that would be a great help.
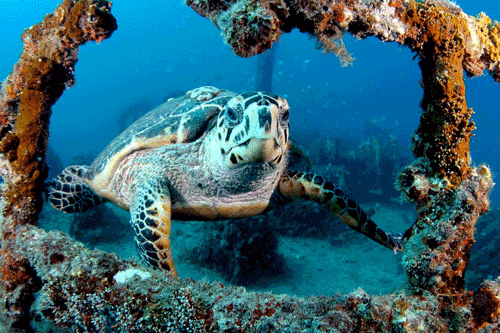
x: 301, y: 249
x: 323, y: 265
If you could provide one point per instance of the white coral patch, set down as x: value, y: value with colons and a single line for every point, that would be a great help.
x: 475, y: 46
x: 386, y: 24
x: 128, y: 274
x: 203, y: 94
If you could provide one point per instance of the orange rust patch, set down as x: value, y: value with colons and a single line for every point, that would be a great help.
x: 330, y: 18
x: 445, y: 125
x: 396, y: 3
x: 13, y: 271
x: 401, y: 305
x: 268, y: 312
x: 325, y: 22
x: 338, y: 12
x: 485, y: 307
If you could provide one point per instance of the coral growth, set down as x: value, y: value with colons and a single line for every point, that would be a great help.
x: 43, y: 71
x: 484, y: 261
x: 248, y: 27
x: 450, y: 194
x: 486, y: 306
x: 94, y: 291
x: 437, y: 252
x: 445, y: 126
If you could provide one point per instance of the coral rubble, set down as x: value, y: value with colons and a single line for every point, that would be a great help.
x: 93, y: 291
x: 43, y: 71
x: 47, y: 276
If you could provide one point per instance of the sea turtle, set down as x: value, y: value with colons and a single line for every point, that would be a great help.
x: 210, y: 154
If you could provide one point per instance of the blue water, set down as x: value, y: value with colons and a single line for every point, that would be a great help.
x: 160, y: 49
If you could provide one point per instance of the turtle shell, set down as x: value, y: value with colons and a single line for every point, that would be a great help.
x: 179, y: 120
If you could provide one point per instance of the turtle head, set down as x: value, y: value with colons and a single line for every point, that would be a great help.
x: 253, y: 128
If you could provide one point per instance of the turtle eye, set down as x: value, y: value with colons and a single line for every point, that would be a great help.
x: 285, y: 115
x: 231, y: 114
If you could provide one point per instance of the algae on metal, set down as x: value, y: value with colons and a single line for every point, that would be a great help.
x: 87, y: 291
x: 94, y: 291
x: 44, y: 70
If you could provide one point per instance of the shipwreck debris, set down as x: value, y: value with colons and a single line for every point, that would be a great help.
x: 77, y: 287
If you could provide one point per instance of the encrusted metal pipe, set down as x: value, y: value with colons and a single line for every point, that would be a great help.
x: 448, y: 43
x: 42, y: 73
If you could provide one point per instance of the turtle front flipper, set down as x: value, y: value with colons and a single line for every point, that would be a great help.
x: 310, y: 186
x: 69, y: 192
x: 151, y: 213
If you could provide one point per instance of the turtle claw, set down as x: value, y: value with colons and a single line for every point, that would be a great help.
x: 397, y: 242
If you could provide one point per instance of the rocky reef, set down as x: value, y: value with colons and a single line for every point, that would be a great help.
x: 46, y: 276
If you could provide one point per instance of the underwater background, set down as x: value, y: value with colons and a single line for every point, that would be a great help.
x: 354, y: 122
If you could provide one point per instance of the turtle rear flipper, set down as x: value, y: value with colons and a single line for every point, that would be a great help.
x: 70, y: 193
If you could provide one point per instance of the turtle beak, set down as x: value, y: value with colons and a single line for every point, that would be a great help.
x: 262, y: 150
x: 263, y: 145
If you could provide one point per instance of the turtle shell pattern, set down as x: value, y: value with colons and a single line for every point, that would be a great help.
x: 179, y: 120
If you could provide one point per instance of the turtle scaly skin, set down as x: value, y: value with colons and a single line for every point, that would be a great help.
x: 70, y: 193
x: 310, y: 186
x: 210, y: 154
